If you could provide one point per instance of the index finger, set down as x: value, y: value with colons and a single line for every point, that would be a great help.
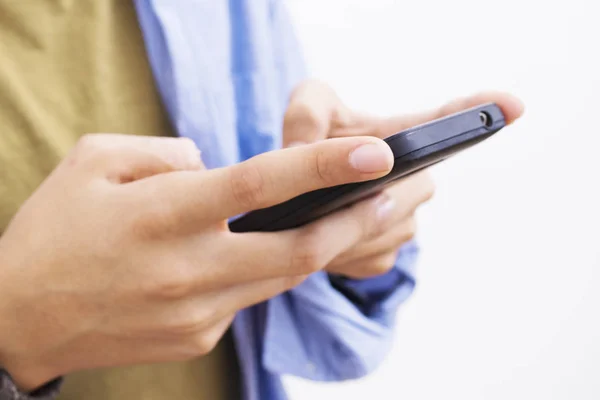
x: 309, y: 113
x: 272, y: 178
x: 511, y: 107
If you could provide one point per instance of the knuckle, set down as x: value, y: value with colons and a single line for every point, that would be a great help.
x: 203, y: 343
x: 383, y: 264
x: 409, y: 231
x: 291, y: 282
x: 408, y: 236
x: 191, y: 323
x: 248, y: 185
x: 428, y: 187
x: 89, y: 141
x: 366, y: 224
x: 186, y: 143
x: 430, y: 191
x: 174, y: 285
x: 170, y: 290
x: 369, y: 229
x: 323, y: 168
x: 308, y: 255
x: 156, y: 220
x: 188, y: 147
x: 91, y: 145
x: 304, y: 114
x: 305, y: 261
x: 94, y: 149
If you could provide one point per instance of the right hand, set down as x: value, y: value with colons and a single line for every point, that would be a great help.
x: 123, y: 255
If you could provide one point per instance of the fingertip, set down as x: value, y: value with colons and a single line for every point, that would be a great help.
x: 512, y: 107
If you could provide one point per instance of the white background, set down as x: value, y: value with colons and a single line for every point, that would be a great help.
x: 508, y: 299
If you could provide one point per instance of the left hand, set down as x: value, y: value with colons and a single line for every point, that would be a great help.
x: 316, y: 113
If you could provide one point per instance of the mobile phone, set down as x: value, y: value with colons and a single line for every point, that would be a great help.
x: 414, y: 149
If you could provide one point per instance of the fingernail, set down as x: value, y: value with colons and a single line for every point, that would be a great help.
x: 372, y: 157
x: 385, y: 206
x: 296, y: 144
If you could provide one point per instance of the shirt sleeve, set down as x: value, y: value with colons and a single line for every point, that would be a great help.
x: 369, y: 294
x: 316, y: 332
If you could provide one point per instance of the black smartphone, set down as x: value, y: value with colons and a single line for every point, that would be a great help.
x: 414, y: 149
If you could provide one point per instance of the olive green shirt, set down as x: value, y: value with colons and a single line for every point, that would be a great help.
x: 70, y: 67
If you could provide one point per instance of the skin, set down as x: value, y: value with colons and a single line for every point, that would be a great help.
x: 316, y: 113
x: 123, y: 255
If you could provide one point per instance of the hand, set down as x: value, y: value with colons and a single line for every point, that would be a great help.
x: 123, y: 255
x: 316, y: 113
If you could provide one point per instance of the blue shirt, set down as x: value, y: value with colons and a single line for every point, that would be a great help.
x: 225, y: 70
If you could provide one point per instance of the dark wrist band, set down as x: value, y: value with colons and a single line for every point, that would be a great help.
x: 9, y: 390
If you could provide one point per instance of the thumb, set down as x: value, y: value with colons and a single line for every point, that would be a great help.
x: 312, y: 110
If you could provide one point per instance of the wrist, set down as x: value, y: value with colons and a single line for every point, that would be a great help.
x: 26, y: 370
